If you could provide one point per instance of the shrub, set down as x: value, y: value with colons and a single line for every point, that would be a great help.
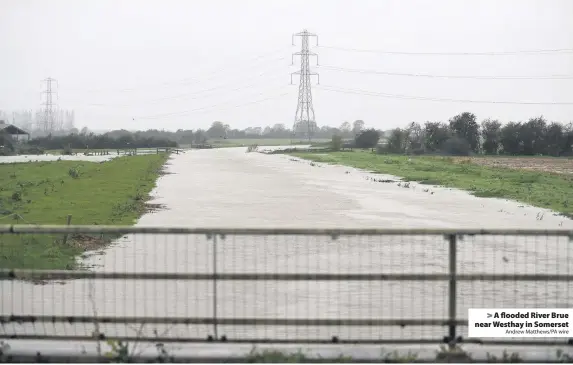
x: 336, y: 143
x: 456, y: 146
x: 367, y: 139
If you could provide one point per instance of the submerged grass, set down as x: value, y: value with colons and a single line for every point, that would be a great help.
x: 542, y: 189
x: 108, y: 193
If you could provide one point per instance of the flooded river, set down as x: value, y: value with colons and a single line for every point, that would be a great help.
x: 231, y: 188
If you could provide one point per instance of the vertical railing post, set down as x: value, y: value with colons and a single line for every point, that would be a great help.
x: 452, y: 289
x: 68, y: 222
x: 215, y: 329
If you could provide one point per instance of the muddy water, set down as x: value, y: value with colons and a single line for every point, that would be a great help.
x: 231, y: 188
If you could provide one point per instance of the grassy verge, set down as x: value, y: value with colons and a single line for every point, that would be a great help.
x: 113, y: 193
x: 542, y: 189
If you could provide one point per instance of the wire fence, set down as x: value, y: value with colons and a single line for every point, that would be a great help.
x: 308, y: 286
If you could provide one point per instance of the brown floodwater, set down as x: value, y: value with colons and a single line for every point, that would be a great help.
x: 231, y: 188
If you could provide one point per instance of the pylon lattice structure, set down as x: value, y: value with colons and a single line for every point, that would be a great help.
x: 304, y: 121
x: 48, y: 117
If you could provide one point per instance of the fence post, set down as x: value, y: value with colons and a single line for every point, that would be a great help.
x: 452, y: 289
x: 215, y: 330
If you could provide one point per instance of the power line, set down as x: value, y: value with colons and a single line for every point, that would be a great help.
x: 475, y: 77
x: 187, y: 81
x: 304, y: 115
x: 194, y: 95
x: 206, y: 109
x: 499, y: 53
x: 186, y: 112
x: 410, y: 97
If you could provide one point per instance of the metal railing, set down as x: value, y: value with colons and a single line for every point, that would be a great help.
x: 310, y: 286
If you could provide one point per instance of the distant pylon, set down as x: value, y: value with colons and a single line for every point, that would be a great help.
x: 304, y: 120
x: 48, y: 117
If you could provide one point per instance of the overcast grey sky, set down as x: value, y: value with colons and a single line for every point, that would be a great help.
x: 185, y: 63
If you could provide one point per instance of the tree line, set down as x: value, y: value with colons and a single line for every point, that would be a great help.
x: 463, y: 135
x: 161, y: 138
x: 101, y: 141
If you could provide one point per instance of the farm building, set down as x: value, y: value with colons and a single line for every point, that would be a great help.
x: 9, y: 135
x: 12, y: 130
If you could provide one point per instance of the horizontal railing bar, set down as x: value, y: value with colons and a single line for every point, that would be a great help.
x: 230, y: 321
x: 310, y: 341
x: 70, y: 274
x: 191, y: 359
x: 94, y: 229
x: 228, y: 340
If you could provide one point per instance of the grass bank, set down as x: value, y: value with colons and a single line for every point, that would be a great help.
x: 542, y: 189
x: 108, y: 193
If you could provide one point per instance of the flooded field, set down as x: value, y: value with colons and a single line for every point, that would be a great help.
x: 39, y: 158
x: 75, y: 157
x: 231, y: 188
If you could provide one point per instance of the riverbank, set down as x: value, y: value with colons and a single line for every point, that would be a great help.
x: 538, y: 188
x: 114, y: 192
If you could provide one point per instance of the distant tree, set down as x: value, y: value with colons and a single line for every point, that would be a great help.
x: 510, y: 138
x: 435, y: 135
x: 397, y: 141
x: 555, y: 139
x: 327, y: 131
x: 357, y: 127
x: 200, y: 137
x: 456, y: 146
x: 345, y: 129
x: 415, y: 138
x: 367, y: 138
x: 183, y: 136
x: 336, y: 142
x: 218, y: 130
x: 465, y: 126
x: 568, y: 140
x: 532, y: 137
x: 491, y: 136
x: 279, y: 130
x: 302, y: 129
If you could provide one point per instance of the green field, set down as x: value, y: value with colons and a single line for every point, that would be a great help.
x: 538, y: 188
x: 216, y: 143
x: 112, y: 192
x: 240, y: 142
